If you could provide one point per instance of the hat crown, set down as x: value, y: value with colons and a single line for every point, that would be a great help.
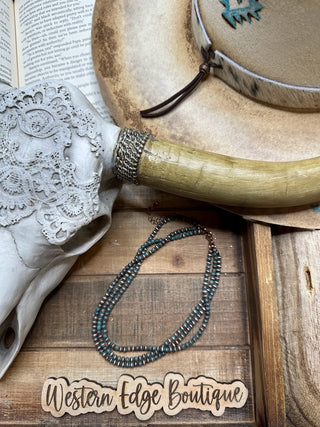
x: 277, y: 40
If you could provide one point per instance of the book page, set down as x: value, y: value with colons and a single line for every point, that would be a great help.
x: 8, y: 64
x: 54, y: 41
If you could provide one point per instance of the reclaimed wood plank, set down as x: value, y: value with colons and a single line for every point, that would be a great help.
x: 31, y: 368
x: 147, y: 314
x: 264, y: 326
x: 61, y: 339
x: 131, y: 228
x: 297, y: 271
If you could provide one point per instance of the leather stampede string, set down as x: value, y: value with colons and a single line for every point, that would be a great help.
x: 170, y: 103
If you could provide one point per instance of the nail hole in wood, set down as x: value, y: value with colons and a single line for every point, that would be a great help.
x: 309, y: 283
x: 9, y: 338
x: 178, y: 261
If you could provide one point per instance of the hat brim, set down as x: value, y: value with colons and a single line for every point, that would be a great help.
x: 143, y: 52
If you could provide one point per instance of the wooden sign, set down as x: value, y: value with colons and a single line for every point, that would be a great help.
x: 142, y: 397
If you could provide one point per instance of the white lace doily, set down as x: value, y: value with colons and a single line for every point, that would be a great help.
x: 38, y: 125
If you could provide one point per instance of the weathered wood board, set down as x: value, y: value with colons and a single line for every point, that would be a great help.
x: 297, y: 272
x: 165, y: 290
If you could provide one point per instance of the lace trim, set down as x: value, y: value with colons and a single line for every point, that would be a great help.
x: 37, y: 125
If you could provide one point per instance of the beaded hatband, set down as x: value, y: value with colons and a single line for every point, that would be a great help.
x: 127, y: 154
x: 176, y: 342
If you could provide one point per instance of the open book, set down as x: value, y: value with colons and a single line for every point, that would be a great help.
x: 42, y: 39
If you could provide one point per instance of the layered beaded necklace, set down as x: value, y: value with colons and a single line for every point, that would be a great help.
x: 184, y: 336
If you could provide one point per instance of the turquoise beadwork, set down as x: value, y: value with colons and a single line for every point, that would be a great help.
x: 123, y: 280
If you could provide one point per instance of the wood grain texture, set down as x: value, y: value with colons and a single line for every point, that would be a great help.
x: 148, y: 312
x: 32, y: 368
x: 130, y: 229
x: 164, y: 292
x: 297, y: 270
x: 264, y: 325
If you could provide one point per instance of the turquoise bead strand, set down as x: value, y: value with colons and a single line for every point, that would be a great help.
x: 184, y: 336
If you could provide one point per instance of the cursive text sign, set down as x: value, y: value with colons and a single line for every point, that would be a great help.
x: 142, y: 397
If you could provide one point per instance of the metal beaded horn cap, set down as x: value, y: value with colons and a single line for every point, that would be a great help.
x: 278, y: 48
x: 127, y: 153
x: 218, y: 145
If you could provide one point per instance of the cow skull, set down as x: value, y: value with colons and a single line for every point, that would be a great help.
x: 56, y: 195
x: 58, y: 162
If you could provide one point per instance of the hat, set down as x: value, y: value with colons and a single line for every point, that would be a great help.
x: 261, y: 104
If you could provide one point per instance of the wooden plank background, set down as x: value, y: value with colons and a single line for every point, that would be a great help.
x: 297, y: 271
x: 165, y: 290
